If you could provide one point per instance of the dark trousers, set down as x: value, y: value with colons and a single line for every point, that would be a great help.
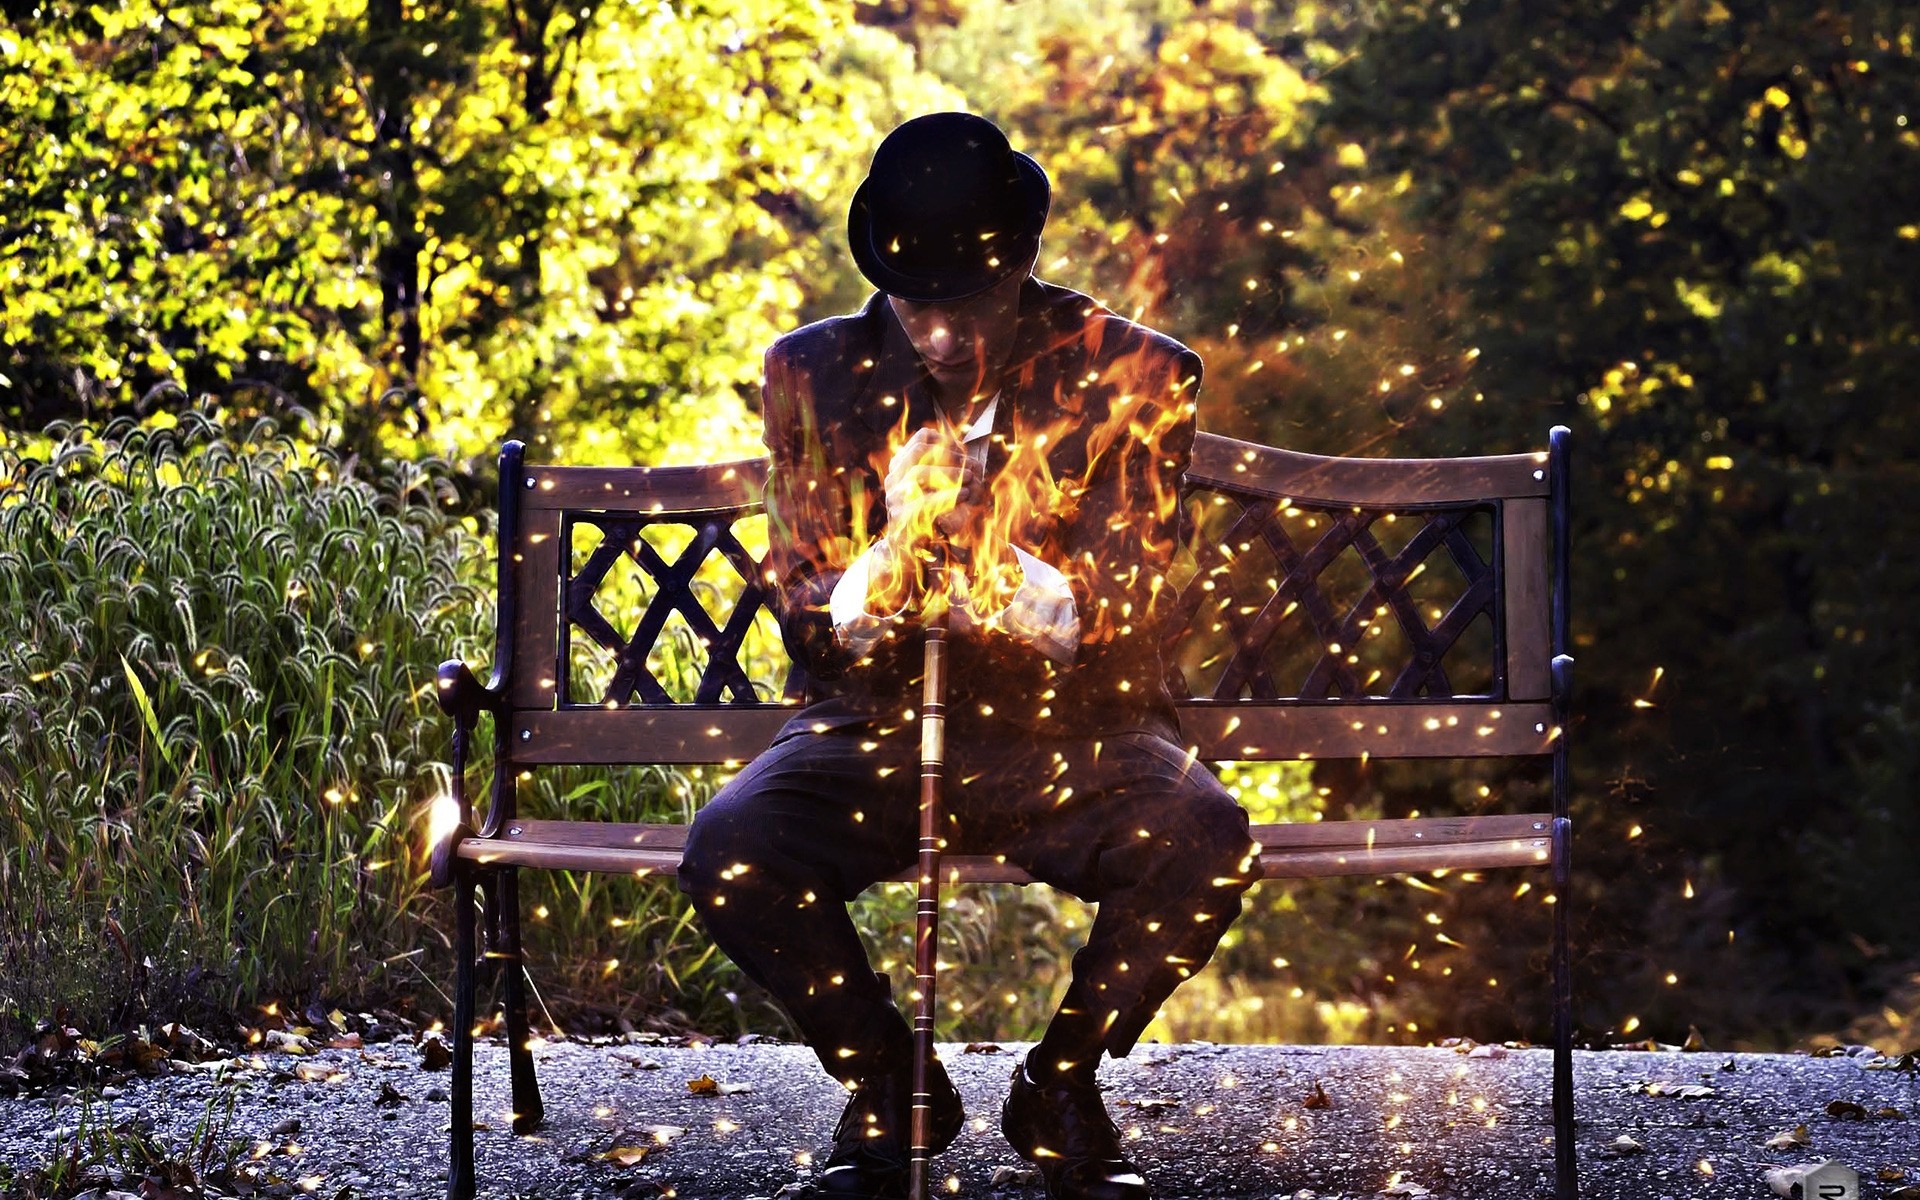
x: 1125, y: 821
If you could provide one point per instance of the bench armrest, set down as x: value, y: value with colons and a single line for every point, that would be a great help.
x: 463, y: 697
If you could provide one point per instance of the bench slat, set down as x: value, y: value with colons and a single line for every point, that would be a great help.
x: 1238, y: 466
x: 648, y: 489
x: 1525, y: 542
x: 1287, y: 851
x: 1224, y: 731
x: 1229, y: 731
x: 1217, y: 462
x: 536, y: 628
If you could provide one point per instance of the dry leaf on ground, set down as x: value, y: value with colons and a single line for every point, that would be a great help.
x: 1318, y: 1098
x: 661, y: 1134
x: 1789, y: 1139
x: 434, y: 1055
x: 1679, y: 1091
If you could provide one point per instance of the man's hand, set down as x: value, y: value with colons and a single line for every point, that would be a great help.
x: 933, y: 492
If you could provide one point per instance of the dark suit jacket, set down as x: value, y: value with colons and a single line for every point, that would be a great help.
x: 1115, y: 403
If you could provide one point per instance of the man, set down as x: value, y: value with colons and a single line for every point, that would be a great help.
x: 971, y: 415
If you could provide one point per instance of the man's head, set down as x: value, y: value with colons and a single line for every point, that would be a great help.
x: 948, y: 224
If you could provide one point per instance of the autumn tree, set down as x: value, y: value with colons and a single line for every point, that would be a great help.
x: 431, y: 226
x: 1688, y: 228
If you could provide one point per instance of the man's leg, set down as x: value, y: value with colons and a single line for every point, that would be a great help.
x: 770, y: 865
x: 1130, y: 823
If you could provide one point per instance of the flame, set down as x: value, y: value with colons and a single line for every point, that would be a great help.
x: 1108, y: 437
x: 1028, y: 505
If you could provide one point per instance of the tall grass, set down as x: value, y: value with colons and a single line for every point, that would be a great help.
x: 218, y: 742
x: 217, y: 734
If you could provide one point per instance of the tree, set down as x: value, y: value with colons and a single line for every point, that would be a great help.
x: 1688, y: 225
x: 432, y: 226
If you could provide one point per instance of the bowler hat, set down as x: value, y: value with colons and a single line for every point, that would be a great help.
x: 948, y: 209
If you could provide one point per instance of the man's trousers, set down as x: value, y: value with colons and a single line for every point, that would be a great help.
x: 1126, y: 821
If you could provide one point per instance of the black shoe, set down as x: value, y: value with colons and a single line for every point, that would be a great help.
x: 870, y: 1144
x: 1063, y: 1129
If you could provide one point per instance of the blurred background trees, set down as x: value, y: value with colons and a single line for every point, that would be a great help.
x: 1689, y: 229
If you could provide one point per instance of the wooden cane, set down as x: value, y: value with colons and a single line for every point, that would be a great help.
x: 926, y: 931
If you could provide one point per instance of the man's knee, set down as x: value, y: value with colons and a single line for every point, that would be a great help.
x: 718, y: 843
x: 1229, y: 844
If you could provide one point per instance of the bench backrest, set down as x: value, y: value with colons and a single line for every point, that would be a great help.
x: 1330, y: 608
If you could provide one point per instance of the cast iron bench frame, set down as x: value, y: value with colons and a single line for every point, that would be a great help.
x: 541, y: 602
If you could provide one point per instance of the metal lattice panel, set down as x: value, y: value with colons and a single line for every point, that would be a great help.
x: 718, y: 608
x: 1291, y: 601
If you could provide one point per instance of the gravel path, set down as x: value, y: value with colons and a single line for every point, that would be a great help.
x: 1203, y: 1121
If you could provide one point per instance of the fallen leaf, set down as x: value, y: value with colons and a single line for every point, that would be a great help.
x: 1909, y: 1192
x: 346, y: 1041
x: 1890, y: 1174
x: 434, y: 1055
x: 1846, y: 1110
x: 1487, y: 1051
x: 390, y: 1096
x: 286, y: 1043
x: 1797, y: 1136
x: 308, y: 1072
x: 1405, y: 1188
x: 1152, y: 1102
x: 984, y: 1048
x: 1318, y: 1098
x: 287, y: 1128
x: 1625, y: 1144
x: 626, y: 1156
x: 1004, y: 1177
x: 706, y: 1085
x: 1694, y: 1041
x: 661, y: 1134
x: 1688, y: 1091
x: 733, y: 1089
x: 1890, y: 1113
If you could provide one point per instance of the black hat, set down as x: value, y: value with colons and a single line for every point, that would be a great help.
x: 948, y: 209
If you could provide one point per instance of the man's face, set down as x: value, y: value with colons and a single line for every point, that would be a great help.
x: 964, y: 343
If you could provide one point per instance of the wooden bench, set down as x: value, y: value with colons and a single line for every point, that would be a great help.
x: 1334, y: 608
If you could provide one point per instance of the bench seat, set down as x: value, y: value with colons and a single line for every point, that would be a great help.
x: 1292, y: 851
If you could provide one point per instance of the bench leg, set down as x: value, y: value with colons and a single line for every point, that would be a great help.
x: 1566, y: 1184
x: 460, y: 1182
x: 527, y: 1109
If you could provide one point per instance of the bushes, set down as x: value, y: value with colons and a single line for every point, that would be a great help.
x: 216, y: 724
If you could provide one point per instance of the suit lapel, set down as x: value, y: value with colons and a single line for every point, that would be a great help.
x: 897, y: 396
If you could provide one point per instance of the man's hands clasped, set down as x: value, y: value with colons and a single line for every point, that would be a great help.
x: 936, y: 498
